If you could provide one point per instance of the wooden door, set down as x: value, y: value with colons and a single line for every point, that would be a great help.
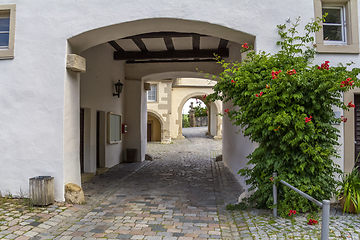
x: 357, y: 129
x: 149, y: 132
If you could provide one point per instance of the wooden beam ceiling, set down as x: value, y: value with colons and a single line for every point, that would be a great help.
x: 116, y: 46
x: 169, y: 44
x: 171, y: 55
x: 179, y: 54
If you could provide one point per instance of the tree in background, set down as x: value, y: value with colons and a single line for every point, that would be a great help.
x: 199, y: 110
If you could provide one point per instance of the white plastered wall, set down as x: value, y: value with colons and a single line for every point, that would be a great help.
x: 96, y: 92
x: 135, y: 95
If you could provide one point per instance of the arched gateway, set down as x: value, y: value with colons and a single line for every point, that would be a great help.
x: 140, y: 50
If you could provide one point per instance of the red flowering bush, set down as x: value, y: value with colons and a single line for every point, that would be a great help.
x: 284, y: 103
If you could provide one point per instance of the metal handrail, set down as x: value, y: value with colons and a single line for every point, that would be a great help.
x: 325, y: 205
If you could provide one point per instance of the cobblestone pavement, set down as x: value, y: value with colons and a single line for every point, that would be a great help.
x: 182, y: 195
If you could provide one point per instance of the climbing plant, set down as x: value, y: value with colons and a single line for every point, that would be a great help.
x: 285, y: 103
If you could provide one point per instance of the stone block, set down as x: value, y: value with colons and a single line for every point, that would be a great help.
x: 148, y: 157
x: 76, y: 63
x: 147, y: 86
x: 74, y: 194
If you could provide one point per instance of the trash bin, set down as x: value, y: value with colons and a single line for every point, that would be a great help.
x: 41, y: 190
x: 131, y: 155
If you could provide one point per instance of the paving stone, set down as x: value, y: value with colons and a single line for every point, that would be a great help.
x: 181, y: 195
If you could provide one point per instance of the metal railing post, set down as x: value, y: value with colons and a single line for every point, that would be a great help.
x: 325, y: 220
x: 274, y: 195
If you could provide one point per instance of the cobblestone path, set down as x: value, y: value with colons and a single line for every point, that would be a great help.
x: 181, y: 195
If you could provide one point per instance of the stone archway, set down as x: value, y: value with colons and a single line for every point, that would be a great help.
x: 163, y: 133
x: 213, y: 109
x: 134, y: 74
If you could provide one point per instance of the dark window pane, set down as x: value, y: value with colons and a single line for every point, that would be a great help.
x: 4, y: 39
x: 4, y: 24
x: 332, y: 33
x: 334, y: 15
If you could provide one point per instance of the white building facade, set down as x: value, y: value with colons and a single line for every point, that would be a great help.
x: 59, y: 115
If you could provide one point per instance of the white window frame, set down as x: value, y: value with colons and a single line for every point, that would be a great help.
x: 152, y: 86
x: 114, y: 133
x: 8, y: 11
x: 342, y: 24
x: 352, y: 27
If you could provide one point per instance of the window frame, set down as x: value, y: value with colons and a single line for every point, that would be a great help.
x: 156, y: 93
x: 8, y: 52
x: 110, y: 132
x: 351, y: 27
x: 342, y: 24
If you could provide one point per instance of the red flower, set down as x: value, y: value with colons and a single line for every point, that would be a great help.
x: 259, y: 95
x: 343, y: 119
x: 204, y: 96
x: 233, y: 81
x: 291, y: 212
x: 308, y: 119
x: 350, y: 105
x: 245, y: 46
x: 324, y: 65
x: 312, y: 221
x: 347, y: 82
x: 291, y: 72
x: 275, y: 74
x: 272, y: 179
x: 226, y: 110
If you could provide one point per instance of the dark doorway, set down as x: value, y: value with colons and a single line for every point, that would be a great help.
x: 357, y: 129
x: 149, y: 132
x: 97, y: 139
x: 82, y: 112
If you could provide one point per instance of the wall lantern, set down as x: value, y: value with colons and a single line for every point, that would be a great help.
x: 118, y: 88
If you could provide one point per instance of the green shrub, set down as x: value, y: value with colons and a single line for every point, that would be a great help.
x: 185, y: 121
x: 284, y: 103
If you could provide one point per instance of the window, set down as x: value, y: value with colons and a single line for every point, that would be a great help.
x: 340, y: 33
x: 4, y: 31
x: 334, y: 27
x: 7, y: 29
x: 114, y: 128
x: 151, y: 95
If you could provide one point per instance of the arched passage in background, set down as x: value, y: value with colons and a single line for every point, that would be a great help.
x: 155, y: 127
x: 214, y: 122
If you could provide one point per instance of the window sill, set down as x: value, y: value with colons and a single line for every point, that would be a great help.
x: 325, y: 48
x: 7, y: 54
